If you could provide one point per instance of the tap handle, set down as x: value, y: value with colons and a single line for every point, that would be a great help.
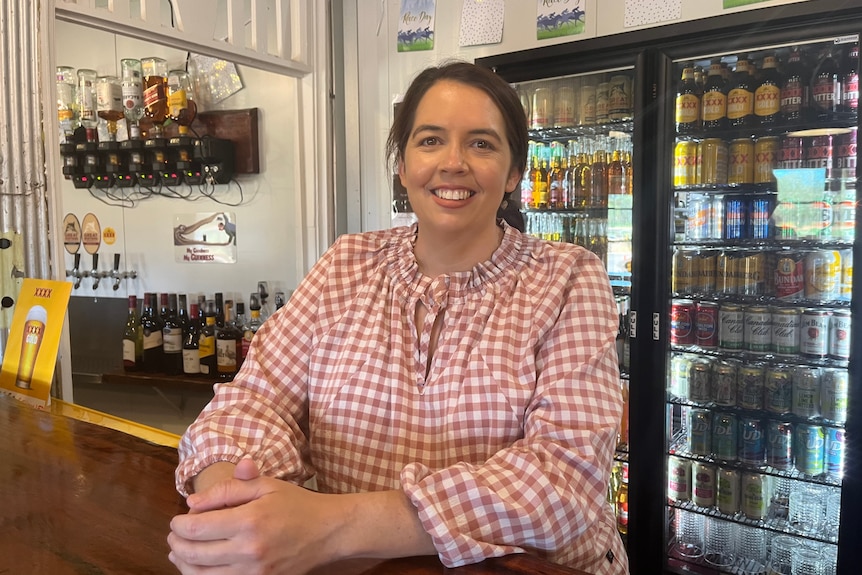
x: 77, y: 261
x: 95, y: 261
x: 117, y: 262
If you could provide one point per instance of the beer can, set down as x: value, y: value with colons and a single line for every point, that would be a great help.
x: 757, y: 337
x: 790, y: 155
x: 542, y: 109
x: 785, y: 330
x: 699, y: 432
x: 778, y: 390
x: 703, y: 484
x: 680, y: 366
x: 727, y: 272
x: 685, y: 163
x: 731, y: 327
x: 789, y: 275
x: 725, y: 434
x: 766, y: 153
x: 700, y: 376
x: 603, y: 97
x: 809, y: 443
x: 740, y: 161
x: 735, y: 224
x: 713, y: 162
x: 751, y: 273
x: 682, y: 322
x: 844, y: 153
x: 814, y: 333
x: 759, y: 221
x: 727, y: 495
x: 698, y: 217
x: 834, y: 385
x: 806, y: 392
x: 822, y: 275
x: 564, y: 107
x: 779, y: 444
x: 678, y: 478
x: 706, y: 330
x: 723, y: 384
x: 755, y: 495
x: 716, y: 223
x: 620, y: 99
x: 817, y: 152
x: 706, y: 270
x: 834, y: 456
x: 684, y: 270
x: 839, y: 334
x: 750, y: 382
x: 846, y: 274
x: 587, y: 105
x: 752, y: 442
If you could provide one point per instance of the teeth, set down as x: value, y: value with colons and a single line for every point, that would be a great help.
x: 452, y: 194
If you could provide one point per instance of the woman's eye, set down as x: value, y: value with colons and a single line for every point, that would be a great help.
x: 429, y: 141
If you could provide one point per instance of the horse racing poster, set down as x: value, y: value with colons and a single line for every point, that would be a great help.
x: 416, y: 25
x: 557, y: 18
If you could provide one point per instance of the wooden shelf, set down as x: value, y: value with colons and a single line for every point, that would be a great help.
x: 157, y: 380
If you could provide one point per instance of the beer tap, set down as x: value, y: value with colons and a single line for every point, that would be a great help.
x: 95, y: 271
x: 76, y: 272
x: 115, y: 273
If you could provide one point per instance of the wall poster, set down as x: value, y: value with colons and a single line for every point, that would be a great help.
x: 557, y: 18
x: 416, y: 25
x: 205, y: 238
x: 646, y: 12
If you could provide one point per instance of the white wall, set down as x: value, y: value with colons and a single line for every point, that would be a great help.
x: 383, y: 72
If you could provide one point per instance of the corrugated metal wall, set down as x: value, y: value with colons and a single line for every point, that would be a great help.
x: 23, y: 191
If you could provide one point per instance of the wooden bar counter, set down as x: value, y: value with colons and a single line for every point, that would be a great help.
x: 77, y: 498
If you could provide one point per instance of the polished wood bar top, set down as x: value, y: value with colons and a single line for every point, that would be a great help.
x: 77, y: 498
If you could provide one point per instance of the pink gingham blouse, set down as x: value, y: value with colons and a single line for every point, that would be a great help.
x: 505, y: 445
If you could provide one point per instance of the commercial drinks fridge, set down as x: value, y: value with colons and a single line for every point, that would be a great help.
x: 744, y: 444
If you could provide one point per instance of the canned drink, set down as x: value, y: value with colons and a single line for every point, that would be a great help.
x: 809, y: 448
x: 620, y: 99
x: 741, y: 161
x: 703, y: 484
x: 723, y: 385
x: 682, y: 322
x: 778, y: 390
x: 759, y: 217
x: 706, y: 270
x: 712, y: 164
x: 752, y: 442
x: 822, y: 274
x: 839, y: 334
x: 684, y: 271
x: 846, y: 289
x: 727, y: 272
x: 789, y: 275
x: 725, y: 434
x: 814, y: 333
x: 790, y: 156
x: 564, y: 107
x: 785, y: 330
x: 587, y: 105
x: 731, y: 327
x: 844, y: 152
x: 706, y: 330
x: 678, y: 478
x: 752, y: 273
x: 542, y: 108
x: 735, y: 222
x: 818, y: 153
x: 750, y: 393
x: 603, y: 96
x: 716, y: 224
x: 806, y: 392
x: 699, y: 386
x: 779, y: 444
x: 698, y: 217
x: 758, y: 329
x: 727, y: 491
x: 700, y: 432
x: 834, y: 385
x: 755, y: 495
x: 680, y: 367
x: 834, y: 448
x: 766, y: 154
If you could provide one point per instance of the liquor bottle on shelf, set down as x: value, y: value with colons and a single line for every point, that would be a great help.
x: 740, y: 96
x: 133, y: 339
x: 133, y: 95
x: 714, y: 99
x: 239, y: 322
x: 191, y: 345
x: 155, y: 71
x: 182, y: 312
x: 688, y: 102
x: 86, y: 100
x: 207, y: 341
x: 219, y: 310
x: 66, y: 113
x: 767, y: 94
x: 622, y: 500
x: 228, y: 343
x: 280, y: 300
x: 109, y: 102
x: 172, y: 335
x: 253, y: 324
x: 181, y: 102
x: 850, y: 83
x: 826, y: 85
x: 795, y: 89
x: 151, y: 323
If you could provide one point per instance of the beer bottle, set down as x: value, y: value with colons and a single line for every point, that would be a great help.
x: 767, y: 95
x: 687, y: 103
x: 555, y: 176
x: 795, y: 88
x: 569, y: 177
x: 599, y: 183
x: 583, y: 181
x: 740, y: 97
x: 529, y: 178
x: 622, y: 503
x: 850, y: 83
x: 629, y: 173
x: 826, y: 86
x: 539, y: 179
x: 616, y: 175
x: 714, y: 99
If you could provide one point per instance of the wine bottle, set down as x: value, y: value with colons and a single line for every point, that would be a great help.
x: 154, y: 350
x: 133, y: 338
x: 172, y: 336
x: 207, y: 342
x: 228, y: 341
x: 191, y: 344
x: 253, y: 324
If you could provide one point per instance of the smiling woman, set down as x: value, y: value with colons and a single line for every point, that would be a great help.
x: 452, y: 386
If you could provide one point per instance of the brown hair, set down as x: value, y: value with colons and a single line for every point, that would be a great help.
x: 502, y: 94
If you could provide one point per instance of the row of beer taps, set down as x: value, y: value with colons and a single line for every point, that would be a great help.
x: 115, y: 274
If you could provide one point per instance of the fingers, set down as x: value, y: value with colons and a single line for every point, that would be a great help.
x: 246, y: 469
x: 229, y: 493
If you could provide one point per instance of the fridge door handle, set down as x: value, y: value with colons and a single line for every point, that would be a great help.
x: 656, y: 326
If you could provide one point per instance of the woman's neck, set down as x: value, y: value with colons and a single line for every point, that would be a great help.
x: 438, y: 254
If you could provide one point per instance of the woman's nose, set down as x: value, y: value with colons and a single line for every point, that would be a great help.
x: 454, y: 159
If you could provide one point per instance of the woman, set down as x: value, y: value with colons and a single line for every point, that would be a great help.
x: 451, y: 386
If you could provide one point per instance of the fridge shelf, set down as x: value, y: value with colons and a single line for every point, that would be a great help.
x: 748, y: 357
x: 552, y: 134
x: 831, y: 127
x: 771, y: 301
x: 780, y: 243
x: 728, y: 189
x: 755, y: 413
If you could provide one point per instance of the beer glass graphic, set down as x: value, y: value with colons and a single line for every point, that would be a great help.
x: 34, y: 329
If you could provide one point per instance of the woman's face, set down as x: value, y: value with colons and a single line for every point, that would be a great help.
x: 457, y: 164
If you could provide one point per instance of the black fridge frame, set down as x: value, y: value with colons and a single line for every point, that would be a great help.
x: 652, y: 52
